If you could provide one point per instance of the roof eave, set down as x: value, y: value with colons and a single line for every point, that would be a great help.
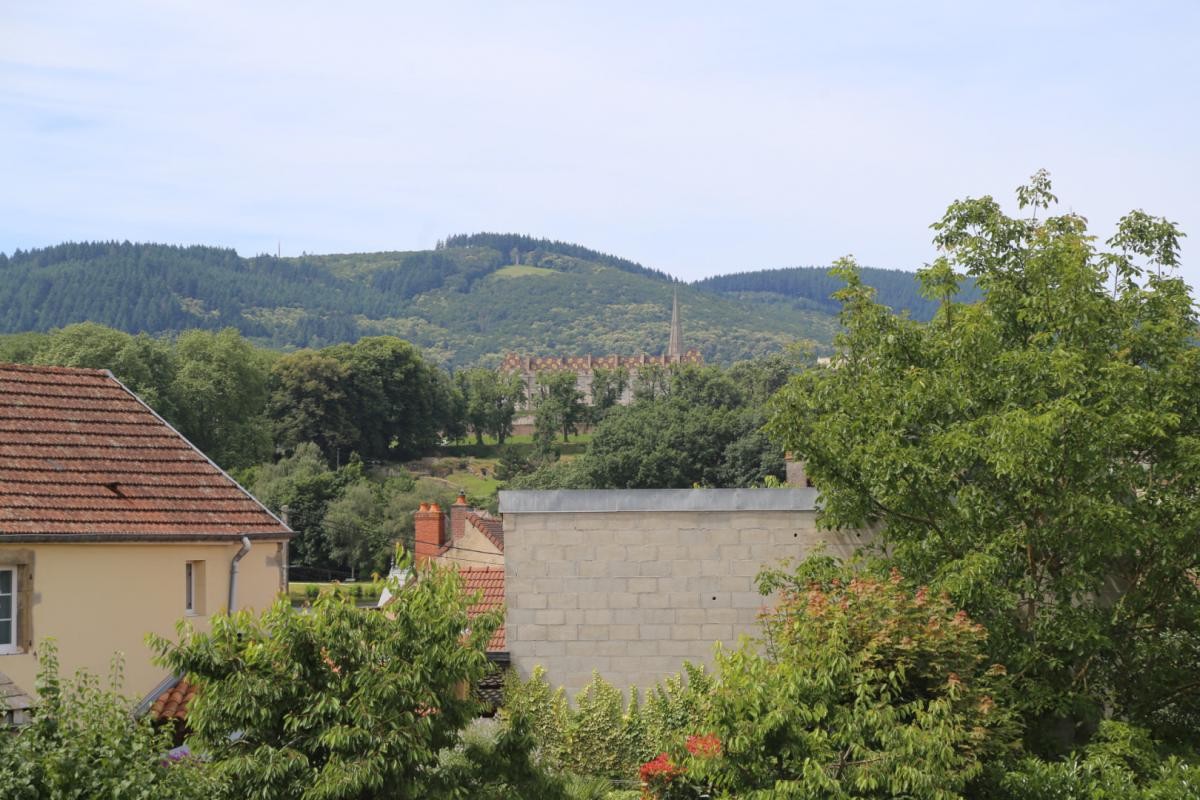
x: 166, y: 538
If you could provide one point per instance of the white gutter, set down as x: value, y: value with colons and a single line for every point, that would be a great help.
x: 233, y: 573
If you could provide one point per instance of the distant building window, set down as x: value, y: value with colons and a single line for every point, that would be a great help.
x: 8, y: 610
x: 193, y: 587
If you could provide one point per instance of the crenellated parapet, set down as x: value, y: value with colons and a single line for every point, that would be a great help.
x: 532, y: 365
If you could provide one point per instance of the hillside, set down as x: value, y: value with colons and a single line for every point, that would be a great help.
x: 470, y: 299
x: 810, y: 289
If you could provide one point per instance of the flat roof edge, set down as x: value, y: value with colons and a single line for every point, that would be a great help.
x: 585, y: 501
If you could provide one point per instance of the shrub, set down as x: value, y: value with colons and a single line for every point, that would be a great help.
x: 312, y: 592
x: 1120, y: 762
x: 860, y: 687
x: 83, y: 741
x: 337, y: 703
x: 603, y: 735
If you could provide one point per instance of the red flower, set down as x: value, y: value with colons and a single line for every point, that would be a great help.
x: 706, y: 746
x: 660, y: 769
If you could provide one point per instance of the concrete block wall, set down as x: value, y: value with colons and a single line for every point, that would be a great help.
x: 632, y: 583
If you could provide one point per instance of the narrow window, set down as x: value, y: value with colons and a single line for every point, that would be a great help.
x: 189, y: 582
x: 193, y: 588
x: 8, y: 610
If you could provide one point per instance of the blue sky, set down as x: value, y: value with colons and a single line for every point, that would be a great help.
x: 694, y: 137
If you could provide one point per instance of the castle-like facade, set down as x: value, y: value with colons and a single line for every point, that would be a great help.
x: 583, y: 366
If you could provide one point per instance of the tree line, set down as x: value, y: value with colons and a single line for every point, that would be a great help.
x: 322, y: 433
x: 815, y: 287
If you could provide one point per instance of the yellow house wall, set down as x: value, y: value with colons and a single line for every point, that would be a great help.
x: 96, y: 599
x: 473, y: 550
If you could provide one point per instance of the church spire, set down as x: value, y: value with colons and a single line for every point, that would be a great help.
x: 675, y: 346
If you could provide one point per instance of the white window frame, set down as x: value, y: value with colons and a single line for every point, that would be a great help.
x: 15, y: 646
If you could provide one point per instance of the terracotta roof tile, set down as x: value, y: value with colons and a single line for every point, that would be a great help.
x: 81, y: 454
x: 489, y: 526
x: 488, y: 583
x: 173, y: 702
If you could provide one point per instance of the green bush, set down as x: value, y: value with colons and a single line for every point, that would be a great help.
x: 312, y: 592
x: 603, y: 735
x: 83, y: 742
x: 1120, y: 762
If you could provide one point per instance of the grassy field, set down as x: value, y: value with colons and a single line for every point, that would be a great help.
x: 523, y: 444
x: 523, y: 271
x: 473, y: 484
x: 300, y: 591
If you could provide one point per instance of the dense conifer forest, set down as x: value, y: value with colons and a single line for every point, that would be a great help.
x: 467, y: 301
x: 812, y: 288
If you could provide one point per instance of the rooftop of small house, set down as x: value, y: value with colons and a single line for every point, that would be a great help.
x: 82, y: 457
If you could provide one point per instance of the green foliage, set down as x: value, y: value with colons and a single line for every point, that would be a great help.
x: 450, y: 302
x: 1035, y: 454
x: 813, y: 288
x: 696, y: 426
x: 674, y: 707
x: 602, y: 735
x: 359, y: 531
x: 397, y: 402
x: 333, y: 702
x: 860, y: 688
x: 83, y: 742
x: 492, y: 399
x: 221, y: 389
x: 305, y: 485
x: 500, y: 767
x: 608, y: 387
x: 309, y: 403
x: 210, y: 386
x: 1120, y: 762
x: 147, y: 366
x: 557, y: 405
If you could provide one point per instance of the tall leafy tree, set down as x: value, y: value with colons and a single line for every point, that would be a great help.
x: 608, y: 387
x: 393, y: 393
x: 309, y: 403
x: 147, y: 366
x: 1036, y: 454
x: 220, y: 388
x: 558, y: 404
x: 361, y: 532
x: 492, y: 399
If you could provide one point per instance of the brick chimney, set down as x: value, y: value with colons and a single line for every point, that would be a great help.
x: 430, y: 534
x: 458, y: 517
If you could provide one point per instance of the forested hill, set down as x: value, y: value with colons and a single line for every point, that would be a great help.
x: 811, y: 288
x: 470, y: 299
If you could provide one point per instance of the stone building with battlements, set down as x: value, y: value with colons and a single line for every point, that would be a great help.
x: 529, y: 367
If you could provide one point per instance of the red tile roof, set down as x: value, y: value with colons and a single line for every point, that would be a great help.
x: 488, y: 582
x: 489, y: 526
x: 81, y: 455
x: 173, y: 702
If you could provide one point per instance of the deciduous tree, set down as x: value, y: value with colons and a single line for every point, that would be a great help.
x: 1035, y: 454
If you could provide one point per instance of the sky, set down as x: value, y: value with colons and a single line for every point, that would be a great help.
x: 698, y: 138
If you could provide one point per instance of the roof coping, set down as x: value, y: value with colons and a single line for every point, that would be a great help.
x: 585, y: 501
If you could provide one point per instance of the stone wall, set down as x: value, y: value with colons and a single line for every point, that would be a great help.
x: 632, y: 583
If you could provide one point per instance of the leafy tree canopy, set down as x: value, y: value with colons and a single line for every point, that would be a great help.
x: 1035, y: 454
x: 333, y: 703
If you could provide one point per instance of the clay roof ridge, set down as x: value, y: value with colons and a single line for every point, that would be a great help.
x: 38, y: 370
